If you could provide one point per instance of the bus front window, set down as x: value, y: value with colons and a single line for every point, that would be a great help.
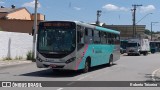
x: 56, y: 40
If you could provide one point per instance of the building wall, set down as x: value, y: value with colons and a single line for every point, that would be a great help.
x: 15, y: 44
x: 39, y: 16
x: 2, y: 15
x: 127, y: 30
x: 23, y: 26
x: 22, y: 14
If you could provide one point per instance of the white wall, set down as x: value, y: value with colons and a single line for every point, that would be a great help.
x: 20, y: 44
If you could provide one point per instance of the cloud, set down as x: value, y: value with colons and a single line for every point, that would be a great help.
x: 148, y: 8
x: 31, y: 4
x: 77, y: 8
x: 111, y: 7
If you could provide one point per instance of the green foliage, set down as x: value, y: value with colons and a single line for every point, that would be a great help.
x: 147, y: 32
x: 18, y: 58
x: 30, y: 56
x: 7, y: 58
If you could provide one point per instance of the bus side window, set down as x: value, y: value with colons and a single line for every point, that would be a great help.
x: 96, y: 37
x: 88, y: 36
x: 86, y: 32
x: 103, y: 38
x: 117, y: 39
x: 109, y: 38
x: 80, y: 35
x: 106, y: 37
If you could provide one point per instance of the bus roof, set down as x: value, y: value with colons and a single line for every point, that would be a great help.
x: 98, y: 28
x: 107, y: 30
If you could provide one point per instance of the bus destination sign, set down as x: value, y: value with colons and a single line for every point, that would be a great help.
x: 57, y: 24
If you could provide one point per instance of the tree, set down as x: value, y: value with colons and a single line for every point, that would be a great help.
x: 147, y: 32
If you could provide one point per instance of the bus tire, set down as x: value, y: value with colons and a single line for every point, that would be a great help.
x: 86, y: 66
x: 110, y: 60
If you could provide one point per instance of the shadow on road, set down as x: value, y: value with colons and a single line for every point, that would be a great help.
x: 61, y: 73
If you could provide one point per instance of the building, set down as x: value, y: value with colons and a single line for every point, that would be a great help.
x: 17, y: 19
x: 127, y: 30
x: 18, y: 14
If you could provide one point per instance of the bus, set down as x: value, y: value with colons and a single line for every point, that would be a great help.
x: 154, y: 46
x: 123, y: 46
x: 74, y: 45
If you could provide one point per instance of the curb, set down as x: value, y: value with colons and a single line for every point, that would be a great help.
x: 15, y: 65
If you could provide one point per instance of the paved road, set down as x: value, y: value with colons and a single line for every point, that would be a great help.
x: 128, y: 68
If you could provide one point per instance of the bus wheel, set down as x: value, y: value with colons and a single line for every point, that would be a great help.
x: 111, y: 60
x: 86, y: 67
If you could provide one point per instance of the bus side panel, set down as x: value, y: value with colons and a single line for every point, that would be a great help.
x: 88, y: 52
x: 116, y: 53
x: 99, y: 54
x: 80, y: 57
x: 108, y: 50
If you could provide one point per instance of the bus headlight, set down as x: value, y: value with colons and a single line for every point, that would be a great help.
x: 39, y: 59
x: 70, y: 60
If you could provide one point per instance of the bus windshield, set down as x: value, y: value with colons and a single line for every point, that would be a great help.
x: 56, y: 40
x: 123, y: 44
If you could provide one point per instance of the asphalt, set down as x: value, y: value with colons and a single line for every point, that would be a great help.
x: 4, y: 64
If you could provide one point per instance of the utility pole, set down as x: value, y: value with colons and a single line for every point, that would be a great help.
x: 35, y: 31
x: 134, y: 19
x: 98, y: 15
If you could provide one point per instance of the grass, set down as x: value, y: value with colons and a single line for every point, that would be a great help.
x: 7, y: 58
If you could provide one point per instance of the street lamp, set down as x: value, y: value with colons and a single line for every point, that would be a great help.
x: 151, y: 28
x: 144, y: 17
x: 98, y: 15
x: 141, y: 20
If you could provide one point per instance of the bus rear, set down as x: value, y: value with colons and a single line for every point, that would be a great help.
x: 56, y: 45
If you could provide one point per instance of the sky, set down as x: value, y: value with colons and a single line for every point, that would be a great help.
x: 114, y: 12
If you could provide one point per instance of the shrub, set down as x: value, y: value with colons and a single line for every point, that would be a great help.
x: 18, y: 58
x: 7, y: 58
x: 30, y: 56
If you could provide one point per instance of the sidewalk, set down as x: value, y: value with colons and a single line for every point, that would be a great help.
x: 11, y: 63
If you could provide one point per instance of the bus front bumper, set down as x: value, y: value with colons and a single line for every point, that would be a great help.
x: 54, y: 65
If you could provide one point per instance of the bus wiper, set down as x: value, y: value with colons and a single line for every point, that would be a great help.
x: 57, y: 52
x: 53, y: 53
